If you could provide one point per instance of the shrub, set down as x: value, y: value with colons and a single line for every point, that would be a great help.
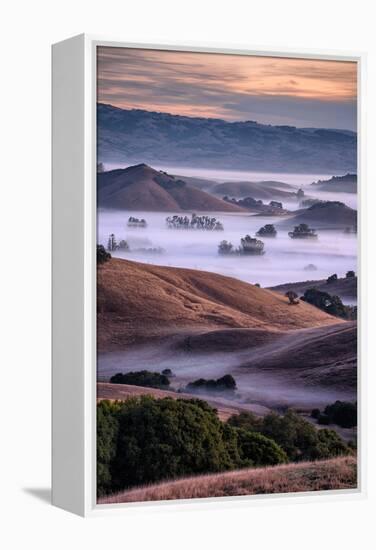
x: 102, y: 254
x: 332, y: 279
x: 342, y: 413
x: 295, y: 435
x: 258, y: 450
x: 225, y: 383
x: 166, y: 438
x: 141, y: 378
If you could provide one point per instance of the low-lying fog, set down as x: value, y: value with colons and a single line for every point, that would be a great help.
x: 272, y: 390
x: 284, y: 259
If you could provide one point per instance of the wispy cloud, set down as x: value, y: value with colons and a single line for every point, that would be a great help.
x: 234, y: 87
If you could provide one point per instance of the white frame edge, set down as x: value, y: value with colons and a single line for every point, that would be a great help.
x: 74, y: 280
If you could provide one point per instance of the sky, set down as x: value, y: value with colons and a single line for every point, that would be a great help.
x: 269, y: 90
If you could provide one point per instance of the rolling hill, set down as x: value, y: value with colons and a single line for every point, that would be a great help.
x: 133, y: 136
x: 137, y: 302
x: 324, y: 475
x: 265, y: 190
x: 338, y: 184
x: 141, y: 187
x: 328, y: 214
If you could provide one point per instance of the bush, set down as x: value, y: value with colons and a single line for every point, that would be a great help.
x: 164, y: 439
x: 258, y: 450
x: 102, y: 254
x: 296, y: 436
x: 141, y: 378
x: 226, y: 383
x: 324, y: 301
x: 342, y: 413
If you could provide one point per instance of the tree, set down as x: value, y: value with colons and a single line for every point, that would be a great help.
x: 292, y: 296
x: 342, y: 413
x: 102, y: 255
x: 141, y: 378
x: 259, y: 450
x: 350, y: 274
x: 100, y: 167
x: 267, y: 230
x: 332, y: 279
x: 324, y: 301
x: 112, y: 244
x: 123, y: 245
x: 225, y: 247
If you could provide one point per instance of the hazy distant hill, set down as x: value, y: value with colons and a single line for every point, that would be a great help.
x: 342, y: 184
x: 325, y: 214
x: 265, y: 190
x: 133, y: 136
x: 141, y: 187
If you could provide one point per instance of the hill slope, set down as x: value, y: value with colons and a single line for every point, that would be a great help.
x: 141, y: 187
x: 338, y: 184
x: 336, y: 473
x: 138, y: 301
x: 344, y: 287
x: 135, y: 135
x: 328, y: 214
x: 265, y: 190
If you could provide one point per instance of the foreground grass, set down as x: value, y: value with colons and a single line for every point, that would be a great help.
x: 336, y: 473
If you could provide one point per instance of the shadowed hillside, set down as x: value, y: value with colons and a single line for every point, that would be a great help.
x: 344, y: 287
x: 265, y: 190
x: 138, y: 301
x: 326, y: 475
x: 328, y: 214
x: 141, y: 187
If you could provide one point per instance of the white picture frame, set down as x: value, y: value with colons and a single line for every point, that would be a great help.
x: 74, y: 277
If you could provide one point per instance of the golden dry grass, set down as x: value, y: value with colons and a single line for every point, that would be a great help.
x: 336, y: 473
x: 138, y: 301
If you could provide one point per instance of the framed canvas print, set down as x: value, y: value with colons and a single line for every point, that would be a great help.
x: 205, y: 274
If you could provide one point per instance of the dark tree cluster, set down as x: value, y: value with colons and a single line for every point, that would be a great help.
x: 267, y: 230
x: 205, y: 223
x: 102, y: 255
x: 248, y: 246
x: 342, y: 413
x: 303, y: 231
x: 225, y: 383
x: 143, y: 378
x: 135, y: 222
x: 329, y: 303
x: 144, y: 440
x: 296, y: 436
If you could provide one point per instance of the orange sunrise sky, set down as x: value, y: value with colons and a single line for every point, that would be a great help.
x: 270, y: 90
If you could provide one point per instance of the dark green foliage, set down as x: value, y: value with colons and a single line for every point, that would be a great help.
x: 225, y: 383
x: 324, y: 301
x: 141, y: 378
x: 332, y: 279
x: 107, y: 431
x: 267, y: 230
x: 323, y: 419
x: 315, y: 413
x: 296, y: 436
x: 166, y: 438
x: 258, y: 450
x: 342, y: 413
x: 330, y: 444
x: 167, y: 372
x: 102, y: 254
x: 145, y: 440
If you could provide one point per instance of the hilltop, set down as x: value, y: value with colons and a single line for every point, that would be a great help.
x: 134, y: 135
x: 342, y: 184
x: 324, y: 475
x: 140, y: 187
x: 137, y: 302
x: 327, y: 214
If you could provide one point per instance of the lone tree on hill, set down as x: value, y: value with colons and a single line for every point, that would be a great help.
x: 350, y: 274
x: 292, y: 296
x: 102, y: 255
x: 332, y: 279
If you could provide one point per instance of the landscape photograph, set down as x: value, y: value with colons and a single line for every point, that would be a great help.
x: 227, y: 275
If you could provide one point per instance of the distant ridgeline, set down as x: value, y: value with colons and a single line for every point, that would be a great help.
x: 344, y: 184
x: 133, y: 136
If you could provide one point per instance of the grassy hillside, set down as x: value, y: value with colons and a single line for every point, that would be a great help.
x: 337, y: 473
x: 138, y: 301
